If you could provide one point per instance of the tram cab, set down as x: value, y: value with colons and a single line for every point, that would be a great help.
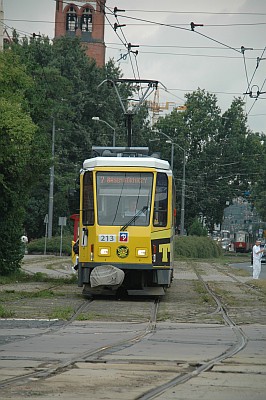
x: 127, y: 216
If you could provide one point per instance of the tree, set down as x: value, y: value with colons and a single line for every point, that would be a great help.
x: 67, y: 87
x: 197, y: 229
x: 258, y: 192
x: 220, y: 155
x: 16, y: 138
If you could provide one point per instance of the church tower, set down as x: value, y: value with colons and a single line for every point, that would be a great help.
x: 86, y: 20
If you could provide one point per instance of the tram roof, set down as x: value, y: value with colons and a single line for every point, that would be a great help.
x: 148, y: 162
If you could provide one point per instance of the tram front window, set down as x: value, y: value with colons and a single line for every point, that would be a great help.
x: 122, y: 195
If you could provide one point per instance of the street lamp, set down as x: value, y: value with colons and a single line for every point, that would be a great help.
x: 106, y: 123
x: 172, y: 149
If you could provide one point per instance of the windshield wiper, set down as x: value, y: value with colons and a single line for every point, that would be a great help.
x: 145, y: 208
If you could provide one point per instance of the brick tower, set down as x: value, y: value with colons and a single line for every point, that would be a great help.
x: 86, y: 20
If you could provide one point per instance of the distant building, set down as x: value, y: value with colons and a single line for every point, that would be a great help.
x: 240, y: 216
x: 84, y: 19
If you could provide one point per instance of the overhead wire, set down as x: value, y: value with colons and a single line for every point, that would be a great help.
x: 183, y: 12
x: 256, y: 98
x: 125, y: 44
x: 249, y: 83
x: 134, y: 24
x: 180, y: 47
x: 186, y: 54
x: 255, y: 70
x: 245, y: 67
x: 181, y: 28
x: 195, y: 12
x: 199, y: 33
x: 224, y: 45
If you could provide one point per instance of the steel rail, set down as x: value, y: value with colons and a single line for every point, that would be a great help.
x: 241, y: 342
x: 62, y: 365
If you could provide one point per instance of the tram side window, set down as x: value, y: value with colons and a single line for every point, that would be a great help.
x: 161, y: 200
x: 87, y: 205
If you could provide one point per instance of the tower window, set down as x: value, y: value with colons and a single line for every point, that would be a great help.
x: 86, y: 20
x: 71, y: 20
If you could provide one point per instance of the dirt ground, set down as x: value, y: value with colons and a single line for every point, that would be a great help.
x: 185, y: 301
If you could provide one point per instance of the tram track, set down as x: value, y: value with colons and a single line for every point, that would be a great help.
x: 98, y: 354
x: 239, y: 281
x: 127, y: 356
x: 61, y: 366
x: 240, y: 344
x: 53, y: 329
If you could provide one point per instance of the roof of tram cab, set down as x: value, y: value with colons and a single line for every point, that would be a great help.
x: 149, y: 162
x: 124, y: 157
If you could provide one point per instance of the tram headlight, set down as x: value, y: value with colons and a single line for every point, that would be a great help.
x: 104, y: 251
x: 141, y: 252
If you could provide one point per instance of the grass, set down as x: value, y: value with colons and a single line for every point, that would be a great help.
x: 224, y: 259
x: 204, y: 295
x: 5, y: 313
x: 11, y: 295
x: 164, y: 316
x: 261, y: 285
x: 232, y: 258
x: 86, y: 317
x: 64, y: 313
x: 21, y: 277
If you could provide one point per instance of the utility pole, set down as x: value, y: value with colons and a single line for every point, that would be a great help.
x: 51, y: 190
x: 1, y: 25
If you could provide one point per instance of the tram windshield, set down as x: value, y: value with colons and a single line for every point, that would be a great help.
x: 124, y: 198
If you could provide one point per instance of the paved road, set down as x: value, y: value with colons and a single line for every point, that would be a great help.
x: 247, y: 266
x: 162, y: 356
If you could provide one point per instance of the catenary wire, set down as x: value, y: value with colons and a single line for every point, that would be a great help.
x: 133, y: 24
x: 201, y: 12
x: 181, y: 28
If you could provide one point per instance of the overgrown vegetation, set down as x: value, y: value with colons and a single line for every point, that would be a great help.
x: 5, y: 313
x: 64, y: 313
x: 196, y: 247
x: 53, y: 245
x: 20, y: 276
x: 204, y: 295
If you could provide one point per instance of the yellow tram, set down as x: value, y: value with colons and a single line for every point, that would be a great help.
x: 127, y: 218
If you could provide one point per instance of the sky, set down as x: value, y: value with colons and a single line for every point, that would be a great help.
x: 183, y: 60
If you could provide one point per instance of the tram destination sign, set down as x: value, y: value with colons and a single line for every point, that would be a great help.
x: 143, y: 179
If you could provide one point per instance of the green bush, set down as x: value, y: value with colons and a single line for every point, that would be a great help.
x: 197, y: 229
x: 52, y: 245
x: 196, y: 247
x: 11, y: 252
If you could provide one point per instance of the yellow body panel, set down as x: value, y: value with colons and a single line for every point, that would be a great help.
x: 137, y: 248
x: 137, y: 237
